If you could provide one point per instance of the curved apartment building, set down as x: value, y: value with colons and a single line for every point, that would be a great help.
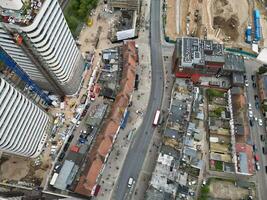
x: 23, y: 125
x: 41, y: 43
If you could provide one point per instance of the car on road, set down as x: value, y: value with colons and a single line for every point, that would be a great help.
x: 257, y: 165
x: 249, y: 106
x: 266, y: 169
x: 260, y: 122
x: 250, y: 114
x: 254, y: 85
x: 254, y: 147
x: 253, y: 77
x: 256, y: 157
x: 246, y: 83
x: 256, y: 97
x: 130, y: 182
x: 250, y: 122
x: 264, y: 151
x: 257, y: 105
x: 262, y: 138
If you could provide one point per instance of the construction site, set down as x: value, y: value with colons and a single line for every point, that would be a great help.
x: 221, y: 20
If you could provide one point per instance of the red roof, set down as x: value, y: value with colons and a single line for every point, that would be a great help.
x: 104, y: 147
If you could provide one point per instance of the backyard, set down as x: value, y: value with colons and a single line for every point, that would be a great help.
x: 217, y: 188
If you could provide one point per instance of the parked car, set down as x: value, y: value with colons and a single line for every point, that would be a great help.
x: 66, y: 147
x: 57, y: 167
x: 266, y: 169
x: 262, y: 138
x: 254, y: 147
x: 83, y: 99
x: 250, y: 122
x: 61, y: 156
x: 254, y: 85
x: 256, y: 157
x: 250, y: 114
x: 256, y: 97
x: 246, y: 83
x: 70, y: 138
x: 257, y: 165
x: 253, y: 77
x: 263, y: 150
x: 257, y: 105
x: 78, y: 123
x: 260, y: 122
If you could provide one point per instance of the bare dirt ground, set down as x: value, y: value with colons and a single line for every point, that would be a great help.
x: 223, y: 189
x: 14, y: 169
x: 220, y: 20
x: 264, y: 31
x: 171, y: 20
x: 230, y: 17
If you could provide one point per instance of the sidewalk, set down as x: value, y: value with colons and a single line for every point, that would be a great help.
x: 140, y: 100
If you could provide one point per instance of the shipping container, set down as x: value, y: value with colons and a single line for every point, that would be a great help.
x: 257, y: 25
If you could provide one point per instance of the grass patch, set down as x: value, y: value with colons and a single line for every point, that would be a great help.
x: 211, y: 93
x: 264, y: 107
x: 219, y: 166
x: 262, y: 69
x: 218, y: 111
x: 77, y: 12
x: 204, y: 192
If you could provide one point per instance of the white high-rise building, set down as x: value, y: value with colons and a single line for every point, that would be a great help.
x: 23, y: 125
x: 35, y: 34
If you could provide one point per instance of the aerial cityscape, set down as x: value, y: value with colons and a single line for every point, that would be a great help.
x: 133, y: 99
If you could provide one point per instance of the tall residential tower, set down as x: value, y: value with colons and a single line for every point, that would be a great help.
x: 35, y: 34
x: 23, y: 125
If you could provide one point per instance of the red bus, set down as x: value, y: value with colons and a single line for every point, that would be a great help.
x: 156, y: 118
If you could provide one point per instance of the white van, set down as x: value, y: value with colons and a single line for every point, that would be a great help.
x: 130, y: 182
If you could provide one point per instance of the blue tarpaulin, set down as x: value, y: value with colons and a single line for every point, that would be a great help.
x: 125, y: 119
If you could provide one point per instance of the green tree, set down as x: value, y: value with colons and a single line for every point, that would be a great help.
x: 262, y: 69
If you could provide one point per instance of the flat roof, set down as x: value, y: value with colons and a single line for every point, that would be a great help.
x: 63, y: 177
x: 262, y: 56
x: 243, y: 162
x: 234, y: 63
x: 195, y: 51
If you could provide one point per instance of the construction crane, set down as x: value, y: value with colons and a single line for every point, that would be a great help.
x: 13, y: 66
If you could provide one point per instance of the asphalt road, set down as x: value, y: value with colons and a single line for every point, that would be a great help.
x: 138, y: 149
x: 256, y: 130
